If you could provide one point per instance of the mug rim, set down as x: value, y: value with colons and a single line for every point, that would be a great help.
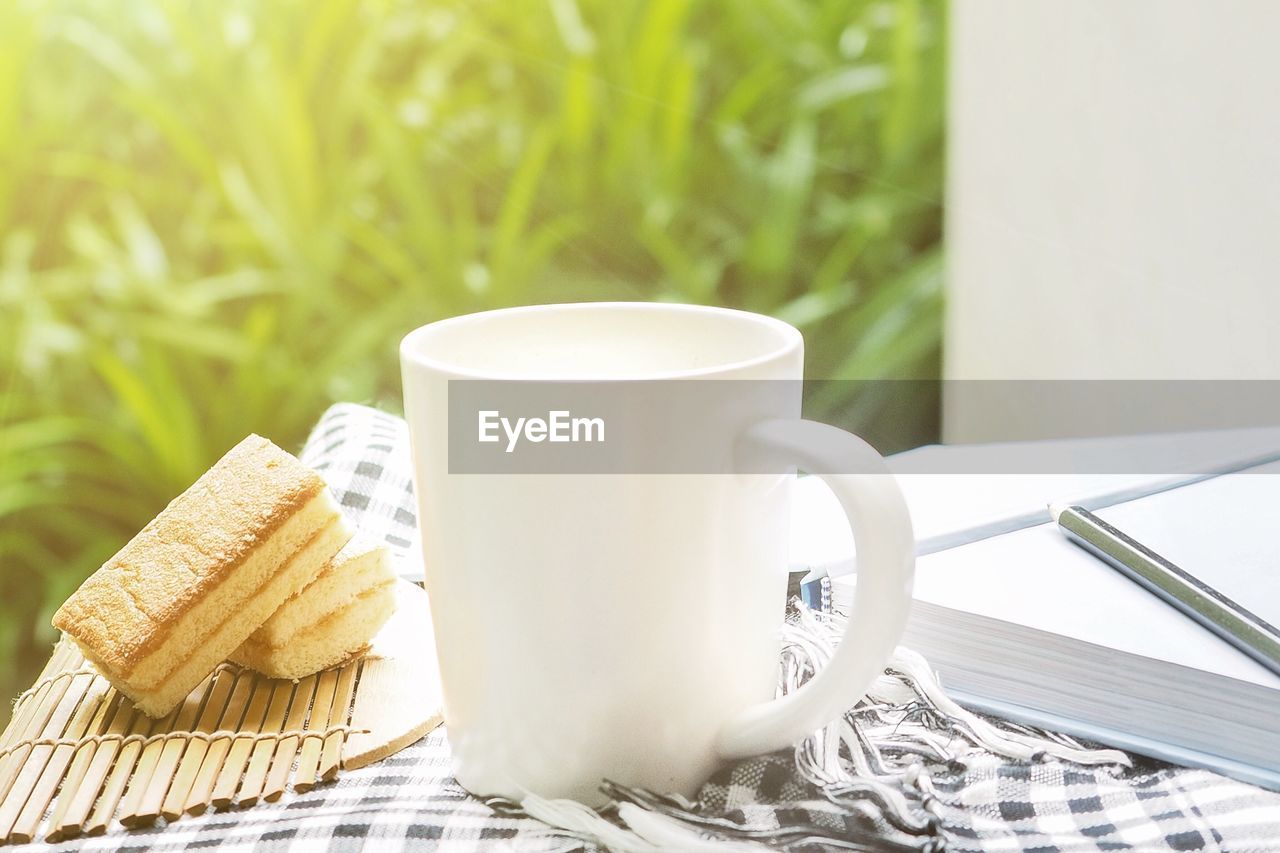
x: 788, y: 341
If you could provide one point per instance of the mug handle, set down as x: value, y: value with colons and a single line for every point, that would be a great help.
x: 881, y: 526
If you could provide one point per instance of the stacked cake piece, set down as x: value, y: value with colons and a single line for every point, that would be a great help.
x: 328, y: 621
x: 257, y: 535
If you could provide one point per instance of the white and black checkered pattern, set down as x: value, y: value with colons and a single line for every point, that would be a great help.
x: 982, y: 802
x: 1048, y: 806
x: 364, y: 456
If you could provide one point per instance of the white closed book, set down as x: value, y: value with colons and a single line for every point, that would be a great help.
x: 1028, y: 626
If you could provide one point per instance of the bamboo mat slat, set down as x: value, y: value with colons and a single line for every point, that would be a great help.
x: 51, y: 764
x: 190, y: 754
x: 120, y: 774
x: 201, y: 792
x: 77, y: 758
x: 318, y: 721
x: 24, y: 706
x: 276, y: 771
x: 79, y: 791
x: 28, y: 761
x: 331, y: 750
x: 229, y: 778
x: 147, y: 761
x: 41, y: 706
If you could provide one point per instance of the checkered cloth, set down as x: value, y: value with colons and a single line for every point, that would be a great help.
x: 905, y: 770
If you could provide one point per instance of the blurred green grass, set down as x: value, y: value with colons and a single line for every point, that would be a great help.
x: 217, y: 218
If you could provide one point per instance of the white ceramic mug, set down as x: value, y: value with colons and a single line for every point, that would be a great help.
x: 626, y: 626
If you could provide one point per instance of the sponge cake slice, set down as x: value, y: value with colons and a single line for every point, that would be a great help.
x: 203, y: 575
x: 330, y: 620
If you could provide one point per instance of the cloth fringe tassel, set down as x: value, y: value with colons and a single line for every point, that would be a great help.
x: 871, y: 763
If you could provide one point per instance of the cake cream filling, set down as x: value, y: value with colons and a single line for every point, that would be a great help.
x: 219, y: 621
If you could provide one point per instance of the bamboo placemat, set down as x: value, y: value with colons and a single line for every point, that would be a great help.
x: 77, y: 758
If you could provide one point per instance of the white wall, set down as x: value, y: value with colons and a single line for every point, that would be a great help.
x: 1113, y: 194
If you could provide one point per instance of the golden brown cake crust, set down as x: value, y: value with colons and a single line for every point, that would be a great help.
x: 126, y: 608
